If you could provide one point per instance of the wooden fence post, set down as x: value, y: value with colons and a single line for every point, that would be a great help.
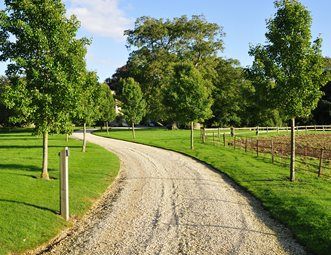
x: 272, y: 152
x: 321, y: 162
x: 257, y: 147
x: 224, y: 142
x: 64, y: 183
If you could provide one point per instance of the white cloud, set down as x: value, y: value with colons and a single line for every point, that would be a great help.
x: 101, y: 17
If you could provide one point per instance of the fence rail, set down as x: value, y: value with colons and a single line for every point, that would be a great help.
x: 316, y: 159
x: 258, y: 129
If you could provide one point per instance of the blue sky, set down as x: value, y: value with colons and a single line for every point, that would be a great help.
x: 243, y: 21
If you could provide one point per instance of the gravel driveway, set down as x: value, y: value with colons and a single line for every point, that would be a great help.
x: 167, y: 203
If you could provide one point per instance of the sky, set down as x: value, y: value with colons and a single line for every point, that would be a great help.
x: 243, y: 21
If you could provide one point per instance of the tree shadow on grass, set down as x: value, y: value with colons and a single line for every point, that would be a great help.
x: 30, y: 205
x: 19, y: 167
x: 34, y: 146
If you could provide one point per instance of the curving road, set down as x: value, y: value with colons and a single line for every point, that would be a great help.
x: 167, y: 203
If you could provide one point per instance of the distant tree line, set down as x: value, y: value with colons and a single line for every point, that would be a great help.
x: 238, y: 96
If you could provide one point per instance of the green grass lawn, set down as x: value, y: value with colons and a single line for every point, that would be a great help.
x: 304, y: 206
x: 29, y: 205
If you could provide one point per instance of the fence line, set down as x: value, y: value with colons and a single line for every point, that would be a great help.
x: 308, y: 156
x: 257, y: 129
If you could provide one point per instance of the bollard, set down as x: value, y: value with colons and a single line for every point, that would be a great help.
x: 64, y: 183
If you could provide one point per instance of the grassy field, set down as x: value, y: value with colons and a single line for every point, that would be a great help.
x: 304, y: 206
x: 29, y: 205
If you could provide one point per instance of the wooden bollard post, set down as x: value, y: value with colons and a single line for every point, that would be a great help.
x: 321, y: 162
x: 272, y: 152
x: 257, y: 147
x: 64, y: 183
x: 246, y: 144
x: 224, y: 142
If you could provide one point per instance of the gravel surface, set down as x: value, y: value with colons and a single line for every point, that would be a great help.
x: 167, y: 203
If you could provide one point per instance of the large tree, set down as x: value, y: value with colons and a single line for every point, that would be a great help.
x: 158, y: 44
x: 40, y: 43
x: 133, y: 104
x: 188, y: 96
x: 293, y: 62
x: 229, y: 91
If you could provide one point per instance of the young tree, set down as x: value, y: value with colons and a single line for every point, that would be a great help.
x: 106, y: 105
x: 293, y: 62
x: 40, y: 43
x: 88, y: 107
x: 133, y: 104
x: 188, y: 96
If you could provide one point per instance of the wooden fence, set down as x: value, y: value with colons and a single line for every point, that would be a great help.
x: 259, y: 130
x: 309, y: 158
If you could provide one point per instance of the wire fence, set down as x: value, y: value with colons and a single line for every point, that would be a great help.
x: 308, y: 158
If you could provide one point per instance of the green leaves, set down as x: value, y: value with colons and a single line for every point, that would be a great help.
x: 106, y: 104
x: 133, y: 104
x: 44, y: 50
x: 188, y: 96
x: 158, y: 44
x: 291, y: 60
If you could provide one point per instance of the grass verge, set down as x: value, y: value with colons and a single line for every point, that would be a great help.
x: 304, y: 206
x: 29, y: 205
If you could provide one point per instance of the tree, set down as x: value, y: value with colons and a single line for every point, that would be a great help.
x: 230, y: 87
x: 188, y: 97
x: 322, y: 113
x: 158, y: 44
x: 40, y: 43
x: 88, y: 107
x: 106, y: 105
x: 293, y: 62
x: 133, y: 104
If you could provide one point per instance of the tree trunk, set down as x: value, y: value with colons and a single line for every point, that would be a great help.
x: 107, y: 127
x: 133, y: 133
x: 174, y: 126
x: 192, y: 137
x: 292, y: 166
x: 67, y: 137
x: 84, y: 138
x: 44, y: 174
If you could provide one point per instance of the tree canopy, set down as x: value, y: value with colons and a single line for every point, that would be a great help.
x: 40, y: 43
x: 158, y: 44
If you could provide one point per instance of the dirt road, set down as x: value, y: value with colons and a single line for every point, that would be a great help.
x: 167, y: 203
